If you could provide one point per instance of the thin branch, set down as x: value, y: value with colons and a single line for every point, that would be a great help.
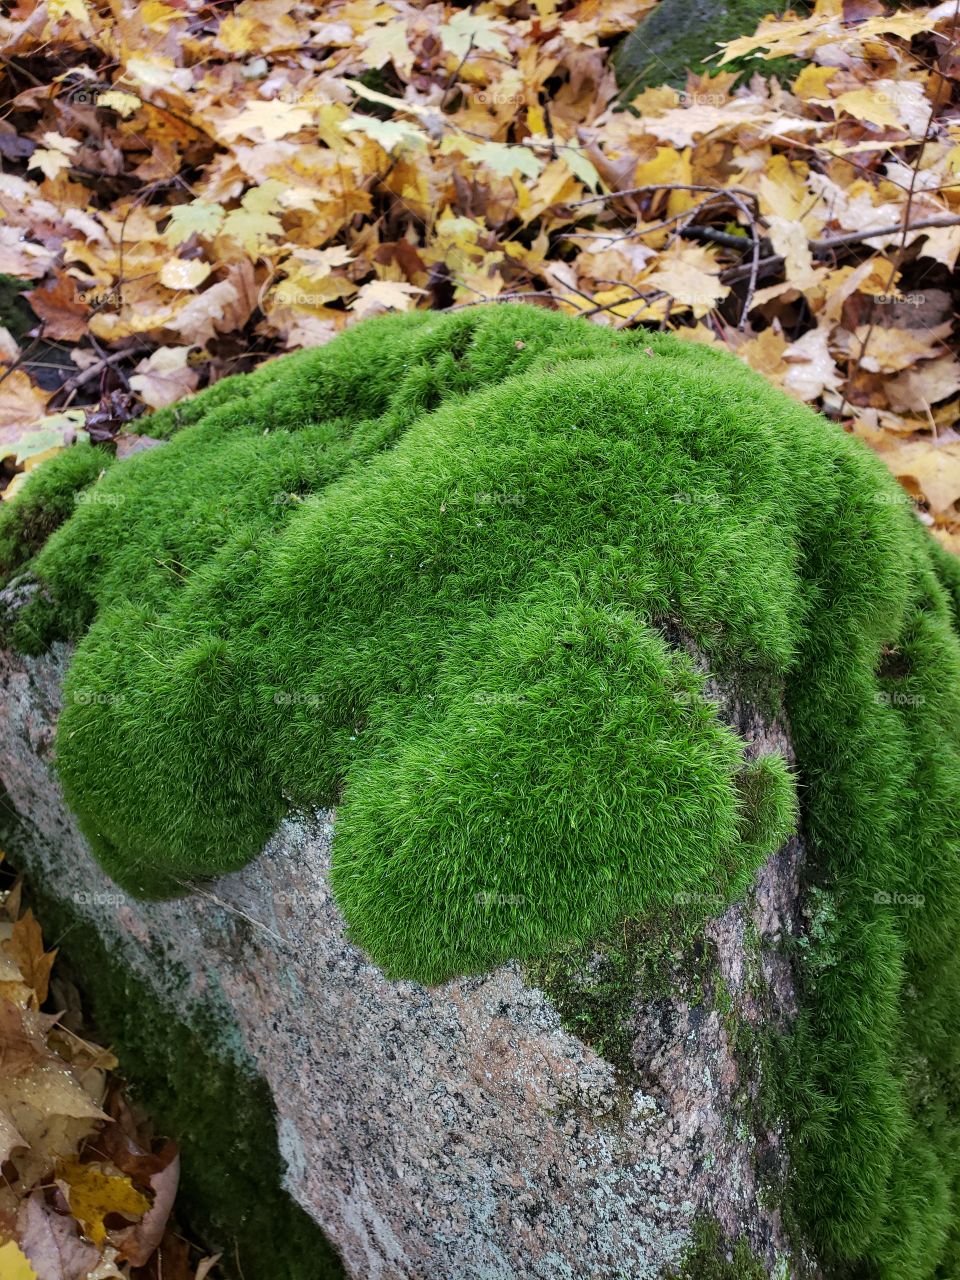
x: 105, y: 362
x: 826, y: 243
x: 662, y: 186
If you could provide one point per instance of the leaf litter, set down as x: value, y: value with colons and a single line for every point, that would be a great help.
x: 86, y: 1192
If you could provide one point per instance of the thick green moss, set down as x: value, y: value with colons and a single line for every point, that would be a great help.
x: 680, y: 36
x: 221, y: 1115
x: 47, y: 501
x: 430, y: 572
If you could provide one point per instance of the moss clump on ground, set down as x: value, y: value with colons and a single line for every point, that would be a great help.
x: 430, y: 572
x: 680, y: 36
x: 221, y: 1115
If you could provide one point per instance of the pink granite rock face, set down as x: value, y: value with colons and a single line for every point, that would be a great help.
x: 459, y: 1132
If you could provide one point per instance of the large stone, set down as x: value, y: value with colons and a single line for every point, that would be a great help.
x: 461, y: 1132
x: 680, y: 36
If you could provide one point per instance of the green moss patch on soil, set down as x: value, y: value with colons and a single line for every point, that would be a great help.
x: 428, y: 572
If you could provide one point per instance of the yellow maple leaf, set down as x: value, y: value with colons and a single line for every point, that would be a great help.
x: 125, y: 104
x: 21, y: 401
x: 55, y: 157
x: 764, y: 353
x: 668, y: 166
x: 388, y: 43
x: 14, y: 1265
x: 789, y: 240
x: 467, y: 31
x: 165, y: 377
x: 812, y: 81
x: 199, y: 217
x: 25, y: 946
x: 57, y: 9
x: 934, y: 467
x: 269, y: 120
x: 888, y: 349
x: 255, y: 222
x: 886, y: 103
x: 384, y: 295
x: 154, y: 13
x: 684, y: 277
x: 783, y: 191
x: 392, y: 135
x: 93, y: 1194
x: 184, y: 273
x: 942, y: 244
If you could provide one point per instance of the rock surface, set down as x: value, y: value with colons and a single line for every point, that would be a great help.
x: 462, y: 1131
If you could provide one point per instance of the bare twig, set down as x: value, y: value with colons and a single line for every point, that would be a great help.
x: 22, y: 357
x: 826, y: 243
x: 663, y: 186
x: 93, y: 371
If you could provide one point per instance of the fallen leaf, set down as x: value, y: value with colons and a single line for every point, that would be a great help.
x: 384, y: 295
x: 55, y: 156
x: 935, y: 468
x: 812, y: 369
x: 52, y: 1242
x: 60, y: 307
x: 138, y: 1242
x: 93, y: 1195
x: 165, y: 377
x: 14, y: 1265
x: 25, y: 947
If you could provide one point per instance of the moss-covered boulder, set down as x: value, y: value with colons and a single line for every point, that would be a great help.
x: 595, y: 1115
x: 475, y: 579
x: 680, y: 36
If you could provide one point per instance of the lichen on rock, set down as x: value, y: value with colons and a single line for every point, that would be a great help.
x: 434, y: 572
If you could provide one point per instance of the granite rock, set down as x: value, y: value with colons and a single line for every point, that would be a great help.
x: 461, y: 1131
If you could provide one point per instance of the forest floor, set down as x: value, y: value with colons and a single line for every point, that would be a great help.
x: 190, y: 188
